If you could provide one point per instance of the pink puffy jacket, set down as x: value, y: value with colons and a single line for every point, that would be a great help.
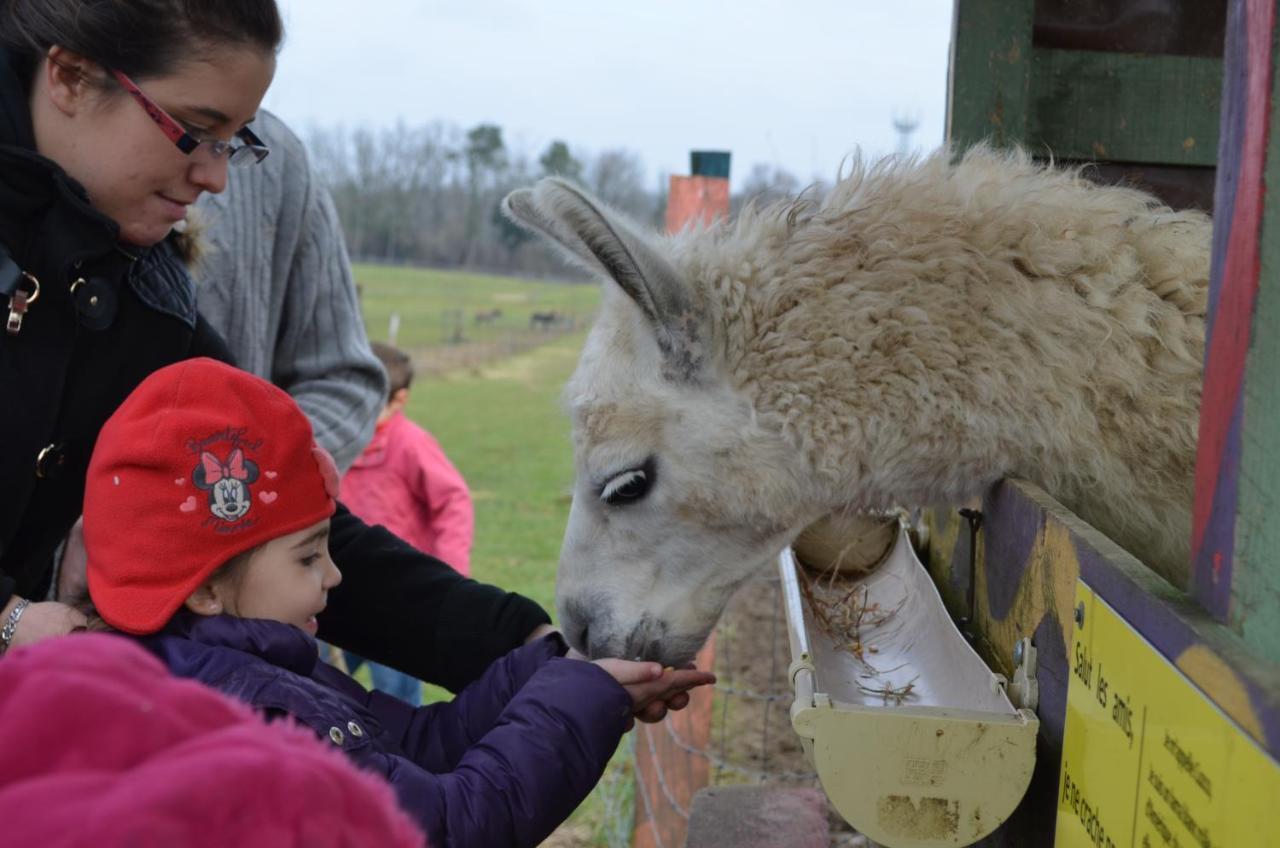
x: 404, y: 482
x: 103, y: 747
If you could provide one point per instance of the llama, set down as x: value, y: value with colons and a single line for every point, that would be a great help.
x: 543, y: 320
x: 928, y: 329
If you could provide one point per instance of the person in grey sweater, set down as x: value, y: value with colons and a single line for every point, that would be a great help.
x: 276, y: 282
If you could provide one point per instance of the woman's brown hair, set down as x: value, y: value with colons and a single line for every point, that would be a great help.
x: 141, y: 38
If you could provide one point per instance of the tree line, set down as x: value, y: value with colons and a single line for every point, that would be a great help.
x: 429, y: 195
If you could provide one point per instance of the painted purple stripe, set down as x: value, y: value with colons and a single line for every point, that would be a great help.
x: 1053, y: 673
x: 1231, y: 140
x: 1167, y: 622
x: 1011, y: 523
x: 1219, y: 452
x: 1214, y: 561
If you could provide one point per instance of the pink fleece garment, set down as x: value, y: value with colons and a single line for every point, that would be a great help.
x: 103, y: 747
x: 404, y: 482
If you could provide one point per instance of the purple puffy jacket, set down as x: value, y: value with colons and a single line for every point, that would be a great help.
x: 502, y: 764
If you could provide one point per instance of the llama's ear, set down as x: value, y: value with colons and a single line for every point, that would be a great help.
x: 522, y: 209
x: 604, y: 240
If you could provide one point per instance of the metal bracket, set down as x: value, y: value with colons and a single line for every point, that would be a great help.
x: 1024, y: 692
x: 967, y: 621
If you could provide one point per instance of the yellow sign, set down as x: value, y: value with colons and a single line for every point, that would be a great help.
x: 1147, y: 760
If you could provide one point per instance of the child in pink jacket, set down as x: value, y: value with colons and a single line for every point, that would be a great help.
x: 404, y: 481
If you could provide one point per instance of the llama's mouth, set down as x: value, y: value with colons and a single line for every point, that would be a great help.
x: 590, y: 626
x: 652, y: 640
x: 641, y: 643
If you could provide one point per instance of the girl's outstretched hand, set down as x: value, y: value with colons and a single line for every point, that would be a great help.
x: 655, y: 690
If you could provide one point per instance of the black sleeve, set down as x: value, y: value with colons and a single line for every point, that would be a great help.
x: 7, y: 586
x: 402, y: 608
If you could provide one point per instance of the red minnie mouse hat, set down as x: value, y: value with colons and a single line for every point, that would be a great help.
x: 201, y: 462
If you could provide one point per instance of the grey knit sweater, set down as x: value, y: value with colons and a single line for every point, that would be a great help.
x: 276, y: 282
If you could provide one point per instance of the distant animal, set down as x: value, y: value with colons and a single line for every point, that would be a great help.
x: 927, y: 329
x: 543, y: 320
x: 488, y: 316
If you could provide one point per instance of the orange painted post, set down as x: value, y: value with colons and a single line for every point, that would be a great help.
x: 670, y: 765
x: 704, y: 195
x: 701, y: 198
x: 670, y: 768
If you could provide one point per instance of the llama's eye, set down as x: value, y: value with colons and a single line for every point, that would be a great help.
x: 626, y: 487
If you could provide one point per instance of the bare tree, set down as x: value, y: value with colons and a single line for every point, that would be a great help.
x: 617, y: 177
x: 429, y: 195
x: 764, y: 185
x: 558, y: 161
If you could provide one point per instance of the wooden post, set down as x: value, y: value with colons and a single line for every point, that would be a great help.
x: 1236, y: 527
x: 669, y: 768
x: 704, y: 195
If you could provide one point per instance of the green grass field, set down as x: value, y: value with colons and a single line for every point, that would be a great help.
x: 503, y: 426
x: 433, y: 304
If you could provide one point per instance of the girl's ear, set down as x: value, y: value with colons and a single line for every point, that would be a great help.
x: 206, y: 600
x: 70, y: 79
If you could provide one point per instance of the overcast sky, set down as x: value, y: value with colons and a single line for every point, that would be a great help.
x: 794, y: 84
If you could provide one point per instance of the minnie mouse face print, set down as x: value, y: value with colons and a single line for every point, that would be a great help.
x: 227, y: 483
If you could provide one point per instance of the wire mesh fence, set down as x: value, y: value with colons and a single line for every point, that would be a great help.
x: 738, y: 733
x: 460, y: 344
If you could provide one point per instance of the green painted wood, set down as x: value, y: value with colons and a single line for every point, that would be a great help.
x: 709, y: 163
x: 1255, y: 570
x: 987, y: 94
x: 1122, y: 107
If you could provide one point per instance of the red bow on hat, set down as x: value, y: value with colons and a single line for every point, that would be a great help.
x: 215, y: 470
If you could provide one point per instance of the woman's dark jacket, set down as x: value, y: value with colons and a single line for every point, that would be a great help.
x: 67, y: 370
x: 501, y: 765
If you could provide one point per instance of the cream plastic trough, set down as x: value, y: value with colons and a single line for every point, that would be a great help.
x: 916, y: 744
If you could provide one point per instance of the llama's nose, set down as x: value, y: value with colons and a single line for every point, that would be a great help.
x: 582, y: 619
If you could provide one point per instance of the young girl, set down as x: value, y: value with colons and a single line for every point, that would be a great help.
x: 206, y: 513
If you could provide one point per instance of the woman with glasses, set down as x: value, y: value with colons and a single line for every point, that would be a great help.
x: 115, y: 116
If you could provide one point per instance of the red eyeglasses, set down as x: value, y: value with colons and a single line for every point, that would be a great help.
x: 251, y: 152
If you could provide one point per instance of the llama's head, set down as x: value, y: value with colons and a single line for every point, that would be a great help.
x: 681, y: 493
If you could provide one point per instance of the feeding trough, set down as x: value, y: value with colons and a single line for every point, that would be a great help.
x: 913, y: 737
